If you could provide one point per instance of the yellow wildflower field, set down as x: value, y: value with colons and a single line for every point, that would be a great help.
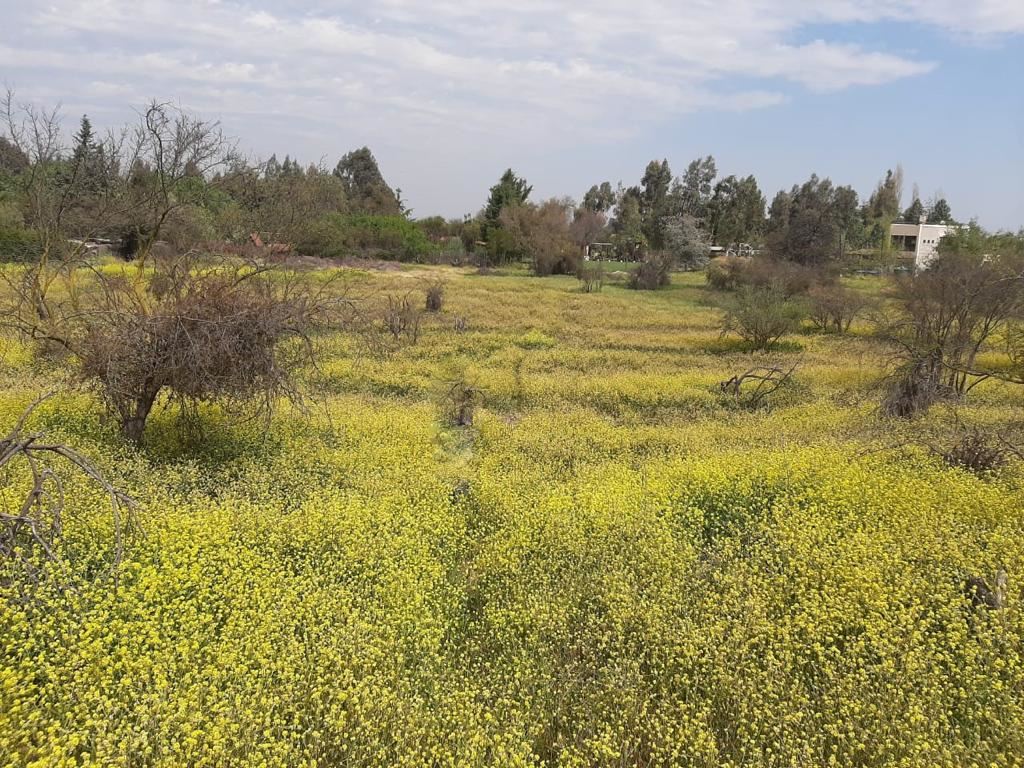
x: 614, y: 566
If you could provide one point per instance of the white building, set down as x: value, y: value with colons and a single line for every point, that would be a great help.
x: 920, y: 241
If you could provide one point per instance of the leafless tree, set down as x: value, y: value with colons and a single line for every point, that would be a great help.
x: 946, y: 315
x: 168, y: 147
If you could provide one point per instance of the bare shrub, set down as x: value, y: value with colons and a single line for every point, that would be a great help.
x: 949, y: 312
x: 983, y: 594
x: 762, y: 315
x: 435, y: 296
x: 402, y: 319
x: 913, y: 389
x: 833, y: 307
x: 461, y: 402
x: 976, y: 452
x: 541, y: 234
x: 726, y: 274
x: 223, y: 331
x: 732, y: 272
x: 654, y: 272
x: 591, y: 276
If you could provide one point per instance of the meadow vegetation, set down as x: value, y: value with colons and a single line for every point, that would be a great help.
x: 538, y: 533
x: 324, y: 484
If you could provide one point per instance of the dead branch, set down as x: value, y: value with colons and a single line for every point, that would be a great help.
x: 768, y: 381
x: 38, y: 523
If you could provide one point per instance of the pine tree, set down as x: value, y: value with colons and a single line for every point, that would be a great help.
x: 510, y: 190
x: 940, y: 212
x: 88, y: 171
x: 914, y: 213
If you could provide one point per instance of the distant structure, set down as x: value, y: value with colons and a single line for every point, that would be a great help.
x: 598, y: 251
x: 920, y: 241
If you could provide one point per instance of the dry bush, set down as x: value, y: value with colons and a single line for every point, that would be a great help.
x: 591, y: 277
x: 726, y: 274
x: 914, y: 388
x: 435, y: 296
x: 761, y: 315
x: 949, y: 312
x: 834, y: 307
x: 980, y: 450
x: 539, y: 233
x: 654, y: 272
x: 402, y: 319
x: 216, y: 331
x: 976, y: 452
x: 460, y: 403
x: 990, y: 596
x: 733, y: 272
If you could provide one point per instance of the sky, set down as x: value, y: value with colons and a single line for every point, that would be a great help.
x: 449, y: 93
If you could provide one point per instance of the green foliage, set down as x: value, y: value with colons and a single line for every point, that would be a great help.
x: 939, y: 212
x: 395, y: 237
x: 434, y: 227
x: 736, y: 211
x: 12, y: 160
x: 511, y: 190
x: 627, y: 228
x: 693, y: 194
x: 914, y: 213
x: 884, y: 203
x: 814, y: 223
x: 364, y: 185
x: 19, y: 245
x: 655, y: 203
x: 599, y: 198
x: 762, y: 314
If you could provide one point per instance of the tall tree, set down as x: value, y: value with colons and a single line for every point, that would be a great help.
x: 847, y: 216
x: 807, y: 224
x: 510, y: 190
x: 736, y: 211
x: 599, y: 198
x: 693, y: 191
x: 687, y: 243
x: 365, y: 187
x: 86, y: 171
x: 627, y: 226
x: 655, y: 187
x: 886, y: 200
x: 914, y: 213
x: 939, y: 212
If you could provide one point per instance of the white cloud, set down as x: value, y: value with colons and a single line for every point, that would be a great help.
x: 536, y: 59
x: 456, y: 73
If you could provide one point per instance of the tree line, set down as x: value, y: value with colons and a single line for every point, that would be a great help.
x: 175, y: 179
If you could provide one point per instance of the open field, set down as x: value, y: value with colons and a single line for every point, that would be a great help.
x: 614, y: 566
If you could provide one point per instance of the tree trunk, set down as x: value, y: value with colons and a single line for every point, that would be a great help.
x: 133, y: 421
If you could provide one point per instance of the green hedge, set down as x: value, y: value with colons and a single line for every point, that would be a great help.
x: 392, y: 237
x: 19, y: 245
